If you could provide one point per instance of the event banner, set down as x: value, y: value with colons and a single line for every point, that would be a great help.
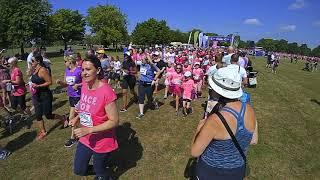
x: 195, y: 36
x: 219, y: 38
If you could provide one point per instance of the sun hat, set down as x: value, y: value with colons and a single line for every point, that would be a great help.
x: 226, y: 83
x: 187, y: 74
x: 101, y: 51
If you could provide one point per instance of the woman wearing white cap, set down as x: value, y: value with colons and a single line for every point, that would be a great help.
x: 218, y: 155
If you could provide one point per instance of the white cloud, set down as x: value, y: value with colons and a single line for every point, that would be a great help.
x: 316, y: 23
x: 288, y: 28
x: 298, y: 4
x: 252, y: 21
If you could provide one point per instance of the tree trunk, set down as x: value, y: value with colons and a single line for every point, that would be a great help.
x: 65, y: 44
x: 22, y: 50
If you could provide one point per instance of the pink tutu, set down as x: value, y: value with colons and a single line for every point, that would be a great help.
x: 175, y: 89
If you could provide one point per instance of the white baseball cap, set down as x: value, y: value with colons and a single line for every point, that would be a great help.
x: 187, y: 74
x: 226, y: 83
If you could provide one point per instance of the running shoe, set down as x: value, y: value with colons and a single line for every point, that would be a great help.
x: 165, y: 97
x: 123, y: 110
x: 70, y: 143
x: 156, y: 105
x: 140, y: 116
x: 4, y: 154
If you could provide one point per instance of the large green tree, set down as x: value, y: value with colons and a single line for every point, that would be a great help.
x: 151, y: 32
x: 108, y: 24
x: 316, y: 51
x: 267, y: 44
x: 293, y: 48
x: 304, y: 50
x: 66, y: 25
x: 178, y: 36
x: 25, y: 21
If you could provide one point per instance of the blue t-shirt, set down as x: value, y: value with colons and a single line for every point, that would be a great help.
x: 147, y: 72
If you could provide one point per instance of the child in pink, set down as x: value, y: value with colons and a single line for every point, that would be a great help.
x: 176, y: 79
x: 169, y: 70
x: 198, y: 77
x: 188, y: 87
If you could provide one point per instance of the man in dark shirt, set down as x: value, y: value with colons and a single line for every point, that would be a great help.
x: 161, y: 65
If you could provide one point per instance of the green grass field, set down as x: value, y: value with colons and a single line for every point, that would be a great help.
x: 287, y: 106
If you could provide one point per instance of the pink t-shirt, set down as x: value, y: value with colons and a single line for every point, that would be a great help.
x: 20, y: 89
x: 140, y: 57
x: 91, y: 109
x: 188, y: 86
x: 197, y: 74
x: 176, y: 78
x: 134, y: 57
x: 169, y: 71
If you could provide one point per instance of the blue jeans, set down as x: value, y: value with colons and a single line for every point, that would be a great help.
x: 82, y: 158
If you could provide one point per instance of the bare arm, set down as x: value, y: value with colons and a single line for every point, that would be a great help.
x: 203, y: 136
x: 254, y: 139
x: 113, y: 121
x: 43, y: 73
x: 18, y: 81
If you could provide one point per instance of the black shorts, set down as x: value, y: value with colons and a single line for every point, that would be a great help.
x: 187, y: 100
x: 18, y: 100
x: 116, y: 76
x: 128, y: 81
x: 73, y: 101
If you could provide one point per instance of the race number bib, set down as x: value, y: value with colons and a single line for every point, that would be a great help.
x: 70, y: 80
x: 176, y: 81
x: 143, y: 71
x: 85, y: 119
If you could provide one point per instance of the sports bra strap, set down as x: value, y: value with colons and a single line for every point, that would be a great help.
x: 232, y: 111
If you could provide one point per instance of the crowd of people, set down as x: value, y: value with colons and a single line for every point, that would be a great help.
x: 310, y: 62
x: 184, y: 72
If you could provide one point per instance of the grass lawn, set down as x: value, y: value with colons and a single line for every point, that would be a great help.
x: 287, y: 106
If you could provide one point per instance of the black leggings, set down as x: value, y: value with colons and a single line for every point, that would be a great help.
x: 18, y: 100
x: 42, y: 102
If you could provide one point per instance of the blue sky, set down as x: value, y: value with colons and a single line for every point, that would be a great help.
x: 293, y: 20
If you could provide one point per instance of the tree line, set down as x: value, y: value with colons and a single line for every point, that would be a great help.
x: 24, y: 23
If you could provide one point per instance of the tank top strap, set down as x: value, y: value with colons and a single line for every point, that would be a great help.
x: 242, y: 113
x: 232, y: 111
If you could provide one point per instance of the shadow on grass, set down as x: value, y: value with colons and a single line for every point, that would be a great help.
x: 315, y: 101
x: 21, y: 141
x: 129, y: 151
